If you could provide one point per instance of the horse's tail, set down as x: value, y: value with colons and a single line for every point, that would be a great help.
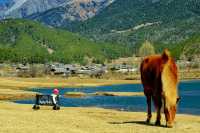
x: 169, y: 77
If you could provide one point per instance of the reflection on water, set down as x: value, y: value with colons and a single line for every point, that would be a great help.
x: 189, y: 92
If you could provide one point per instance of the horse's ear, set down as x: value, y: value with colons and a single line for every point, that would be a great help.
x: 178, y: 99
x: 165, y: 55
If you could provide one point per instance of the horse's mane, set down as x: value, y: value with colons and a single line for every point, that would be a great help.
x: 169, y: 78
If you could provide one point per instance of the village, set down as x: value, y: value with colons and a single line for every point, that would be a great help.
x: 63, y: 70
x: 123, y: 68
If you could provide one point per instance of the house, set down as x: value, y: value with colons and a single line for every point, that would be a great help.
x: 92, y: 70
x: 58, y: 69
x: 98, y: 72
x: 85, y: 70
x: 123, y: 68
x: 71, y: 68
x: 22, y: 67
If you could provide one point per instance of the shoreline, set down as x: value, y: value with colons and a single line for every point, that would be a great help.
x: 87, y: 107
x: 61, y: 82
x: 19, y: 88
x: 44, y: 107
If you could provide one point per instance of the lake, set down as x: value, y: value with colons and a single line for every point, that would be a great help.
x: 189, y: 92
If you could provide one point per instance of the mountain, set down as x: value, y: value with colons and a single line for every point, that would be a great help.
x: 166, y: 23
x: 53, y: 10
x: 4, y: 6
x: 74, y: 10
x: 23, y: 8
x: 29, y: 41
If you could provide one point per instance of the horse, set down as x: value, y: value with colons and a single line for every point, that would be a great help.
x: 160, y: 79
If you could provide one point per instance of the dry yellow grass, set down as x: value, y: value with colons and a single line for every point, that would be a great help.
x: 22, y: 119
x: 9, y: 94
x: 75, y: 94
x: 17, y: 118
x: 16, y: 83
x: 14, y: 88
x: 119, y: 93
x: 81, y: 94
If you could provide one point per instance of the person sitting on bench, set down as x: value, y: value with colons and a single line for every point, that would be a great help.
x: 55, y: 98
x: 55, y: 95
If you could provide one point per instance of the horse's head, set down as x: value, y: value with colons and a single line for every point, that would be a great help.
x: 170, y: 90
x: 170, y: 110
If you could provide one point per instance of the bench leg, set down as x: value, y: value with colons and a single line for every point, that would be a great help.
x: 36, y: 107
x: 56, y: 107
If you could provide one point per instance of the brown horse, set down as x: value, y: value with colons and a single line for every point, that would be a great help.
x: 159, y: 79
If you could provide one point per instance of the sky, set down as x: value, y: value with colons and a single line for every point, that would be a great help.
x: 4, y: 1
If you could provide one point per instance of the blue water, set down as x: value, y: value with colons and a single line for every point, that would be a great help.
x: 189, y: 92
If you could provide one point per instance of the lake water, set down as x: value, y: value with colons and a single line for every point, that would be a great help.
x: 189, y: 92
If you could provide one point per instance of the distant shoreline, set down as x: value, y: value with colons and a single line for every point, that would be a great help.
x: 18, y: 88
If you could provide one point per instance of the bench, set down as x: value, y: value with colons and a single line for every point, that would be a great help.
x: 46, y: 100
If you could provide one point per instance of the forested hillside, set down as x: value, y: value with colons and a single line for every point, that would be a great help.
x: 166, y: 23
x: 28, y: 41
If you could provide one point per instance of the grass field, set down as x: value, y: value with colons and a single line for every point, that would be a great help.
x: 17, y: 118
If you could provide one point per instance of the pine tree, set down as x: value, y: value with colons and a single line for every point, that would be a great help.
x: 146, y: 49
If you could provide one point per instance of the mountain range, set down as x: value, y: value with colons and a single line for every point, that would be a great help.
x: 73, y: 11
x: 166, y: 23
x: 70, y: 10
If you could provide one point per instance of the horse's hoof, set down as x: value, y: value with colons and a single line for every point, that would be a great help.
x: 148, y: 121
x: 157, y: 123
x: 169, y: 125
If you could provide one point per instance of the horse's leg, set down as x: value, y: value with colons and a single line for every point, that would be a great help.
x: 158, y: 104
x: 149, y: 115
